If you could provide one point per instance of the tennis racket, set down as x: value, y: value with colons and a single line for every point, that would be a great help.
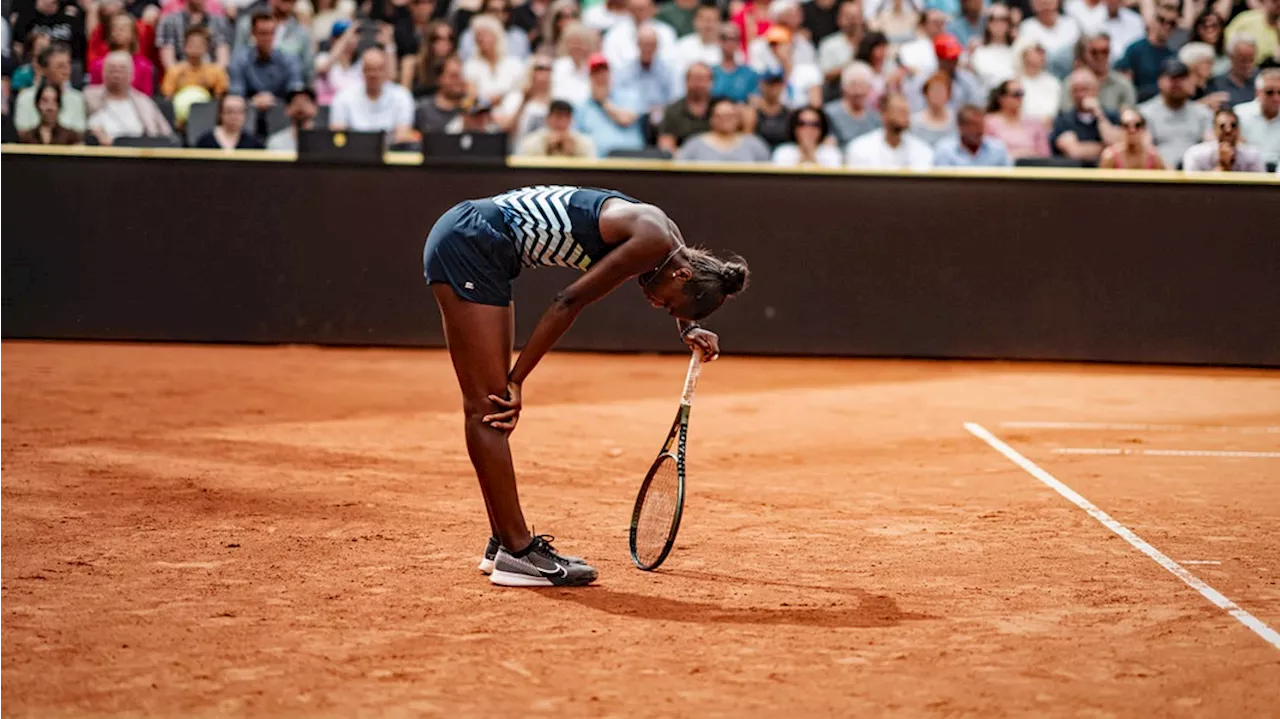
x: 656, y: 517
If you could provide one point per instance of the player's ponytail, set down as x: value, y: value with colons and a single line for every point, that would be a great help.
x: 714, y: 280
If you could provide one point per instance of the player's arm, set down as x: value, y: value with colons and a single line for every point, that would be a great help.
x: 691, y: 332
x: 649, y: 242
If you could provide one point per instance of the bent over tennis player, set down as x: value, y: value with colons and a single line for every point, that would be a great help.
x: 473, y: 253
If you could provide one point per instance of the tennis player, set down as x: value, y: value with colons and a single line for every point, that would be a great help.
x: 473, y: 253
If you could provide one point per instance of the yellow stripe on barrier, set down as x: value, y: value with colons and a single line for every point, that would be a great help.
x: 415, y: 158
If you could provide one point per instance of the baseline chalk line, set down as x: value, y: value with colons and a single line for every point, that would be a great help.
x: 1255, y: 625
x: 1137, y: 427
x: 1114, y: 452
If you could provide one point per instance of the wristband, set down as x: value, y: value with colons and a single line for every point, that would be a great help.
x: 685, y: 332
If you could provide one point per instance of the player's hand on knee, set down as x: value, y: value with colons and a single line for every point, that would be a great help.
x: 510, y: 406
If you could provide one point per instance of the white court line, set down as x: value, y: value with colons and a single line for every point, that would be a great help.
x: 1105, y: 426
x: 1167, y: 452
x: 1253, y: 623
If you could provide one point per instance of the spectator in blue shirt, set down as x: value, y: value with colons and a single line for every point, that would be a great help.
x: 729, y: 79
x: 1142, y: 60
x: 970, y: 146
x: 970, y: 24
x: 262, y: 74
x: 648, y: 75
x: 611, y: 115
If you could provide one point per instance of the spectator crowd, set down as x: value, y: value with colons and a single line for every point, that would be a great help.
x: 908, y: 84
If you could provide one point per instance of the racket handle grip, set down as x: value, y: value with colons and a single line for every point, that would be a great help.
x: 691, y: 379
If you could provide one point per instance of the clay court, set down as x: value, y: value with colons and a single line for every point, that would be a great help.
x: 289, y: 531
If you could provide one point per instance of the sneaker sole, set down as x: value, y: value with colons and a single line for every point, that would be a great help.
x: 512, y: 579
x: 486, y: 566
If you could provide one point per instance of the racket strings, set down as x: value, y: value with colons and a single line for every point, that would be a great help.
x: 658, y: 511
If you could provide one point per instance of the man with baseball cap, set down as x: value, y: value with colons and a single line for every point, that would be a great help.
x: 611, y: 115
x: 966, y: 88
x: 1176, y: 123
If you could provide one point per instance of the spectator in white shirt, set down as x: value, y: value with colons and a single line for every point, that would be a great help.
x: 1055, y: 32
x: 116, y: 109
x: 786, y: 15
x: 1122, y: 25
x: 601, y: 17
x: 619, y: 43
x: 892, y: 146
x: 1043, y: 91
x: 1260, y: 119
x: 992, y: 61
x: 492, y: 72
x: 703, y: 44
x: 918, y: 56
x: 375, y: 105
x: 523, y: 111
x: 570, y: 75
x: 808, y: 146
x: 1225, y: 153
x: 837, y: 50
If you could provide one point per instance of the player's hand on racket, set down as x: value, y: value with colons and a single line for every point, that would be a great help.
x: 705, y: 340
x: 510, y: 405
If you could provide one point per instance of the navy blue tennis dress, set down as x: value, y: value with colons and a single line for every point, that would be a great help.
x: 479, y: 246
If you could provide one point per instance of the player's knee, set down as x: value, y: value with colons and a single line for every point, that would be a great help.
x: 475, y: 408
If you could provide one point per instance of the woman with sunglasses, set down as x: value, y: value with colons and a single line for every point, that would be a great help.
x: 1134, y: 151
x: 992, y: 60
x: 809, y: 131
x: 1023, y: 136
x: 423, y: 75
x: 1208, y: 30
x: 473, y: 253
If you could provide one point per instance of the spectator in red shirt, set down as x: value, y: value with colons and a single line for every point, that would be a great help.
x: 99, y: 23
x: 122, y: 35
x: 752, y: 21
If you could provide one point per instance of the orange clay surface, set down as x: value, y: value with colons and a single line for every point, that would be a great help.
x: 198, y: 531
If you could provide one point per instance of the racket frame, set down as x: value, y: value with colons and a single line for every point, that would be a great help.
x: 677, y: 436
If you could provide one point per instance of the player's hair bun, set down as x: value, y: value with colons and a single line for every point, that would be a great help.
x: 733, y: 277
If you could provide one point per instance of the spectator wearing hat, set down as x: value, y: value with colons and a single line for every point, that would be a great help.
x: 1260, y: 119
x: 726, y: 141
x: 557, y: 138
x: 1262, y: 24
x: 377, y: 104
x: 1114, y: 89
x: 808, y: 132
x: 1143, y: 59
x: 1237, y: 81
x: 1081, y: 131
x: 435, y: 111
x: 261, y: 73
x: 477, y: 118
x: 1174, y: 121
x: 171, y: 34
x: 195, y: 69
x: 229, y: 133
x: 1110, y: 18
x: 611, y: 115
x: 729, y: 79
x: 787, y: 23
x: 619, y: 42
x: 919, y: 57
x: 689, y: 115
x: 339, y: 67
x: 892, y: 146
x: 1022, y: 136
x: 964, y: 88
x: 1226, y: 153
x: 301, y: 110
x: 116, y: 109
x: 837, y: 50
x: 769, y: 117
x: 803, y: 79
x: 852, y: 114
x: 1057, y: 33
x: 971, y: 146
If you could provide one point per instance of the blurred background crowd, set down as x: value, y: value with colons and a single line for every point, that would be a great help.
x: 1186, y: 84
